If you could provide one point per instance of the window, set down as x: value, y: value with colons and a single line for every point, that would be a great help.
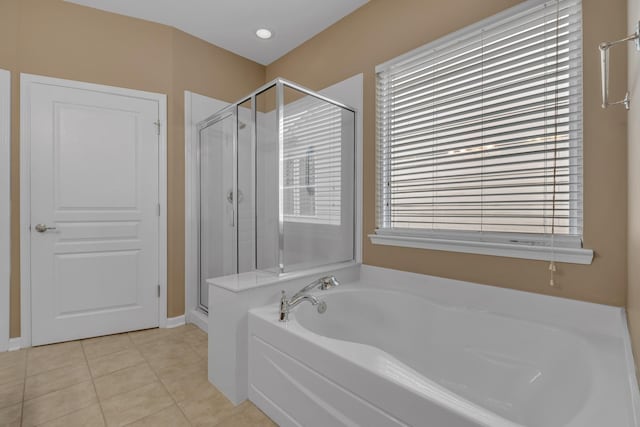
x: 480, y: 137
x: 312, y: 161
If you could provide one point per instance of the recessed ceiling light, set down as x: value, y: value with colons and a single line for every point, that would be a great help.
x: 263, y: 33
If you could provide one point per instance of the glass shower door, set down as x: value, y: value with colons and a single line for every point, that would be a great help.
x: 218, y: 247
x: 277, y: 185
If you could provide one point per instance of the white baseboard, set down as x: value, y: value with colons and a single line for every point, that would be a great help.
x: 174, y: 322
x: 15, y: 344
x: 198, y: 318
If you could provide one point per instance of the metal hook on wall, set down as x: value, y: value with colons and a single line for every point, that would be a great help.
x: 604, y: 67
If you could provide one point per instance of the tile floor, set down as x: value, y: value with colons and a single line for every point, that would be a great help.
x: 156, y: 377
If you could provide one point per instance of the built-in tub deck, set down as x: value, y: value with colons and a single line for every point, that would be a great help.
x: 405, y: 357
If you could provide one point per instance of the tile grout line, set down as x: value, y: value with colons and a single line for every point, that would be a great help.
x: 163, y: 385
x: 230, y: 415
x: 24, y: 385
x: 64, y: 388
x: 111, y: 352
x: 137, y: 347
x: 86, y: 360
x: 29, y: 349
x: 51, y: 391
x: 117, y: 370
x: 63, y: 415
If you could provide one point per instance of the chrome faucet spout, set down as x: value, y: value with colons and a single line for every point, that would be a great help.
x: 300, y: 298
x: 323, y: 283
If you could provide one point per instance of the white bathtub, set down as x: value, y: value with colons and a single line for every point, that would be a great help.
x: 381, y: 357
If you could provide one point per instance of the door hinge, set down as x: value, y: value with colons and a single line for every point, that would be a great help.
x: 158, y: 124
x: 158, y: 209
x: 158, y: 291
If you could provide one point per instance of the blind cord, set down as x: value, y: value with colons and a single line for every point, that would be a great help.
x: 552, y: 264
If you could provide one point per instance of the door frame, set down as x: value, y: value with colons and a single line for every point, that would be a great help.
x: 26, y: 82
x: 5, y: 208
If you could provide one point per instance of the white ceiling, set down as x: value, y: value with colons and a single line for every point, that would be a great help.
x: 231, y: 24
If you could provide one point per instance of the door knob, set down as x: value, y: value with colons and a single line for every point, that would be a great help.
x: 41, y: 228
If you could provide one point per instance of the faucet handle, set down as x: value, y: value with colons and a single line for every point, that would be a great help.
x: 284, y: 309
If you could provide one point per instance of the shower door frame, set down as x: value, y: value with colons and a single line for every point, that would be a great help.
x: 225, y: 113
x: 232, y: 109
x: 280, y: 83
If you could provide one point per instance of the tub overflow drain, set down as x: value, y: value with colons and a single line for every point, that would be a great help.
x: 322, y: 307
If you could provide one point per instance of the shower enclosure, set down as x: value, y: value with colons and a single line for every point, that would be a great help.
x: 277, y: 184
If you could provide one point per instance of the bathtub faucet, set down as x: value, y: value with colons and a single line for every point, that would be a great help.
x: 323, y: 283
x: 287, y: 304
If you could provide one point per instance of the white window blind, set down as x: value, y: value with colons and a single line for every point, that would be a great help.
x: 480, y: 133
x: 312, y: 161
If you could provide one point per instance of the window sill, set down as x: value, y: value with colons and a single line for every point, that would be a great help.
x: 511, y: 250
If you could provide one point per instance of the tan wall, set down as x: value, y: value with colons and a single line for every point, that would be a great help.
x: 8, y: 60
x: 53, y: 38
x: 208, y: 70
x: 58, y: 39
x: 383, y: 29
x: 633, y: 296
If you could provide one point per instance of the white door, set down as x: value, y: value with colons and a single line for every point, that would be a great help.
x: 94, y: 213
